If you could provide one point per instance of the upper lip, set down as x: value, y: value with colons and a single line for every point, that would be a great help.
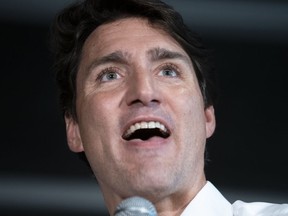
x: 146, y: 119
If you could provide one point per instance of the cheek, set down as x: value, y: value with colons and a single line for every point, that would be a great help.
x: 190, y: 116
x: 188, y: 102
x: 96, y: 128
x: 92, y: 116
x: 96, y: 109
x: 98, y: 120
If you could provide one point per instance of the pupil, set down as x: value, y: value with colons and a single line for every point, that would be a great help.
x: 167, y: 72
x: 111, y: 76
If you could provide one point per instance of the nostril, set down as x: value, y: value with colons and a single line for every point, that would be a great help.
x: 143, y: 90
x: 139, y: 102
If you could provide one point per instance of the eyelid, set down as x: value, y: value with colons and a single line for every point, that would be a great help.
x: 105, y: 71
x: 170, y: 66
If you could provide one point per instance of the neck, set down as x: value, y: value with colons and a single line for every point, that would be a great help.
x: 176, y: 203
x: 170, y: 205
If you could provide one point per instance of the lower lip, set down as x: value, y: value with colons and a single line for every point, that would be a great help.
x: 154, y: 142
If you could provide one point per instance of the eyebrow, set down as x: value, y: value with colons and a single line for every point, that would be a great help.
x: 157, y: 54
x: 114, y: 57
x: 154, y: 54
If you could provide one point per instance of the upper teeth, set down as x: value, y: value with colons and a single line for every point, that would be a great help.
x: 145, y: 125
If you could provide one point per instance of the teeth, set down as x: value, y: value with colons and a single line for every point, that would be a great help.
x: 151, y: 125
x: 145, y: 125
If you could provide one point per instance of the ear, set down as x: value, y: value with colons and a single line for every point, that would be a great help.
x: 73, y: 135
x: 210, y: 121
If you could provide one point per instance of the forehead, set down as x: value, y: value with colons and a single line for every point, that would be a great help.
x: 130, y: 35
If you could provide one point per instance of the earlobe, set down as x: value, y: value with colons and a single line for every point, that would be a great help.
x: 210, y: 121
x: 73, y: 135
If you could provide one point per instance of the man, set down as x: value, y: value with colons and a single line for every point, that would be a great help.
x: 138, y: 103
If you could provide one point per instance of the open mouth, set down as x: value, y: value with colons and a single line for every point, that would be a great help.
x: 146, y: 130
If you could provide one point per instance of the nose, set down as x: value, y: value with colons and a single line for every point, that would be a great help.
x: 142, y: 90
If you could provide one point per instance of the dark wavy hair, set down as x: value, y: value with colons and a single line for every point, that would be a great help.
x: 75, y: 23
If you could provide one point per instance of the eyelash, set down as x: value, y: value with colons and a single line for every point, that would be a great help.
x: 170, y: 66
x: 104, y: 72
x: 166, y: 66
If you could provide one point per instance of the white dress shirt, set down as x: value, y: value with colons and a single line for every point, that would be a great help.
x: 259, y: 209
x: 210, y: 202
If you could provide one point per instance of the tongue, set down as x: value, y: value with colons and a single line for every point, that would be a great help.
x: 145, y: 134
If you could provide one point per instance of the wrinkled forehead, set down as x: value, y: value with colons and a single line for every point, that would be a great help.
x: 129, y: 33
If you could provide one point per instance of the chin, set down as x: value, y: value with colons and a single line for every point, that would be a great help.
x: 153, y: 187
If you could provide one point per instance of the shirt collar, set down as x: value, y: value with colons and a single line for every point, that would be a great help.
x: 209, y: 202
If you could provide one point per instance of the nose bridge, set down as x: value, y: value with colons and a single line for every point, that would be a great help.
x: 141, y: 87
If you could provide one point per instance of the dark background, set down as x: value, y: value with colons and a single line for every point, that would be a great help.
x: 247, y: 154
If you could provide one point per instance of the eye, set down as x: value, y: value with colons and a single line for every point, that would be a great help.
x: 108, y: 74
x: 169, y: 71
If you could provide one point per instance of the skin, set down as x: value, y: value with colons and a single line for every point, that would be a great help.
x: 122, y: 79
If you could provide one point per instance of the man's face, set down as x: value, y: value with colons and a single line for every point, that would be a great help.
x: 141, y: 119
